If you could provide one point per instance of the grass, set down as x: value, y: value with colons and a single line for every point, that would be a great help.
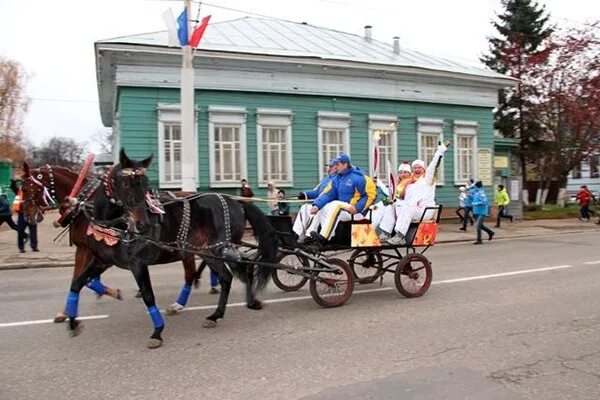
x: 551, y: 211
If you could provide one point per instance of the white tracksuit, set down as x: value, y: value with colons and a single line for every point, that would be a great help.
x: 418, y: 196
x: 305, y: 222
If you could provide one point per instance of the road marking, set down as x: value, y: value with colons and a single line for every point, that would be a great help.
x: 592, y: 262
x: 46, y: 321
x: 299, y: 298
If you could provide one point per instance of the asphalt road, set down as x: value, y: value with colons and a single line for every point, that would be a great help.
x: 499, y: 322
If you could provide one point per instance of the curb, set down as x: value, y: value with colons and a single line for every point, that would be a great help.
x: 63, y: 264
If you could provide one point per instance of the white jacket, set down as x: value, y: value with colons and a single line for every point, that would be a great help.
x: 422, y: 192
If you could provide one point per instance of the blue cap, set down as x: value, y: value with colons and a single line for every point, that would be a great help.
x: 343, y: 158
x: 331, y: 163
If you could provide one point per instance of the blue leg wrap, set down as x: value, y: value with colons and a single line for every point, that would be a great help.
x: 214, y: 279
x: 72, y: 304
x: 156, y: 317
x: 97, y: 286
x: 185, y: 293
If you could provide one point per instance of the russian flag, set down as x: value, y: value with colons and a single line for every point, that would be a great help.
x: 182, y: 31
x: 199, y: 32
x: 171, y: 27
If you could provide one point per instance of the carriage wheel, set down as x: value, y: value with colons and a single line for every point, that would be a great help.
x: 367, y: 265
x: 331, y: 289
x: 413, y: 275
x: 289, y: 281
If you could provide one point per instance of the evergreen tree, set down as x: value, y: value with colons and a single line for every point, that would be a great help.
x: 521, y: 29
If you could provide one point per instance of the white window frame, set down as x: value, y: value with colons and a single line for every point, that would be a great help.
x: 465, y: 128
x: 387, y: 123
x: 169, y: 113
x: 226, y: 115
x: 332, y: 120
x: 431, y: 126
x: 270, y: 117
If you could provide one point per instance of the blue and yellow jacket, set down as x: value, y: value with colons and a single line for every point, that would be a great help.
x: 313, y: 194
x: 352, y: 187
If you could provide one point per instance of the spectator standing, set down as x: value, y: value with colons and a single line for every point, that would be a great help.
x: 245, y: 190
x: 502, y: 201
x: 22, y: 225
x: 272, y: 195
x: 283, y: 207
x: 480, y: 211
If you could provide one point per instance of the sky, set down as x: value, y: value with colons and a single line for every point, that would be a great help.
x: 54, y: 40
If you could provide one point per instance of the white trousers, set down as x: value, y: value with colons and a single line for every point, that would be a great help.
x: 377, y: 213
x: 329, y: 216
x: 303, y: 220
x: 410, y: 214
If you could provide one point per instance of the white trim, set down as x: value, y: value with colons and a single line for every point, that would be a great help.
x: 226, y: 115
x: 170, y: 113
x: 276, y: 118
x: 465, y: 128
x: 383, y: 122
x: 331, y: 120
x: 431, y: 126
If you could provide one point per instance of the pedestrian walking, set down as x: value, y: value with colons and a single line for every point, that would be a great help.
x: 245, y: 190
x: 6, y: 213
x: 480, y: 211
x: 584, y: 197
x: 283, y: 207
x: 22, y: 224
x: 464, y: 208
x: 502, y: 201
x: 272, y: 195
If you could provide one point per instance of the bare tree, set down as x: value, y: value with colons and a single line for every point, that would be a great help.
x: 62, y: 151
x: 103, y: 139
x: 13, y: 107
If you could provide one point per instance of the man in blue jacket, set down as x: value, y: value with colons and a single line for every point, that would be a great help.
x: 304, y: 218
x: 349, y: 193
x: 480, y: 206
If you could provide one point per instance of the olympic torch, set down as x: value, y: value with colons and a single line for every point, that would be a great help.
x: 72, y: 199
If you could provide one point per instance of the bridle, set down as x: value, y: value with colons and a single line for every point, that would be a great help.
x: 108, y: 181
x: 48, y: 194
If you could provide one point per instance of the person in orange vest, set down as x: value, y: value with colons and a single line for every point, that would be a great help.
x: 17, y: 207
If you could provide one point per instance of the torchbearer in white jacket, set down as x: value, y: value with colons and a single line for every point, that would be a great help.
x: 419, y: 194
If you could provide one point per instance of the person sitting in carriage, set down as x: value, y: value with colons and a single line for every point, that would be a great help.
x: 304, y: 218
x: 350, y: 193
x: 385, y: 220
x: 419, y: 194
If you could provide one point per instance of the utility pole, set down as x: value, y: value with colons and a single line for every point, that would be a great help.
x: 189, y: 180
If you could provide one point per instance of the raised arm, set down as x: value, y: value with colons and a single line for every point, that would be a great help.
x: 433, y: 165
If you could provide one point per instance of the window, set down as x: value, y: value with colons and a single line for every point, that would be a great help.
x: 594, y: 166
x: 465, y: 151
x: 227, y: 145
x: 430, y: 134
x: 334, y: 132
x: 274, y: 143
x: 383, y: 131
x: 170, y: 145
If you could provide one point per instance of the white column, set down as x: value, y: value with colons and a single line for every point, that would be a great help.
x: 189, y: 180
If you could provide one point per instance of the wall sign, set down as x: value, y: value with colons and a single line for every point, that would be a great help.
x: 484, y: 161
x: 500, y: 162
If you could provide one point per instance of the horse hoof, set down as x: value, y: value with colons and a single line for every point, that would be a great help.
x: 255, y: 306
x: 77, y: 330
x: 60, y: 318
x: 209, y: 323
x: 154, y: 343
x: 174, y: 309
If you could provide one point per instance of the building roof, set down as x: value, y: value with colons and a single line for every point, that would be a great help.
x: 278, y: 37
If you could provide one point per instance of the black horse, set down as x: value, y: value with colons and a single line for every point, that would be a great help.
x: 124, y: 232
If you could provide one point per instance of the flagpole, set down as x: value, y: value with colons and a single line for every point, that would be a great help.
x: 189, y: 180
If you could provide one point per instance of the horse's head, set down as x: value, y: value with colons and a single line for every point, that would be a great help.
x: 128, y: 184
x: 35, y: 195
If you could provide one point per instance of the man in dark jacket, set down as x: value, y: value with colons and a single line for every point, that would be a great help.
x: 6, y: 213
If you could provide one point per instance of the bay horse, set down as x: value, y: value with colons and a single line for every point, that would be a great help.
x: 47, y: 187
x: 123, y: 233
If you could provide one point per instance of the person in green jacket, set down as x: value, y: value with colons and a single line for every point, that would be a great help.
x: 502, y: 201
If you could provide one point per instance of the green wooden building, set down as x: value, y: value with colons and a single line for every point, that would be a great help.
x: 276, y: 99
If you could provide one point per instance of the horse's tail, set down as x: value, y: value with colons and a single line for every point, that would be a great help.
x: 267, y: 241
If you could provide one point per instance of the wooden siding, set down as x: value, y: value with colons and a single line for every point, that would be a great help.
x: 139, y: 129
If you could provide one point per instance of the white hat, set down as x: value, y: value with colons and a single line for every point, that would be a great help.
x: 419, y: 163
x: 404, y: 167
x: 462, y: 188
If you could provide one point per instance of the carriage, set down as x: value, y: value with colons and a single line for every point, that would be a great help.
x: 332, y: 279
